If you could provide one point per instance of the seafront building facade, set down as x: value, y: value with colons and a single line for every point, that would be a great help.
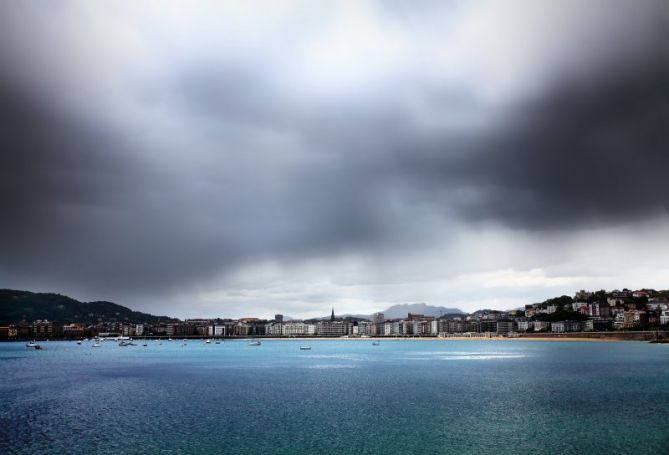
x: 585, y: 312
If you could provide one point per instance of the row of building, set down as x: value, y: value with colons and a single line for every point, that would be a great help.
x: 618, y: 310
x: 413, y: 325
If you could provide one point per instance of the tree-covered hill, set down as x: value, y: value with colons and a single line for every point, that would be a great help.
x: 16, y: 306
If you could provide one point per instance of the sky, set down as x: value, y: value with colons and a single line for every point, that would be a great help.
x: 203, y: 159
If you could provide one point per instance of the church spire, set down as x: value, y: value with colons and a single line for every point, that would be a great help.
x: 332, y: 317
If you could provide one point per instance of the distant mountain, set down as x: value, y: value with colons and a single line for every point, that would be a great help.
x: 16, y: 306
x: 402, y: 310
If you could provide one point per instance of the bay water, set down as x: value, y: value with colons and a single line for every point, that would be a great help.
x: 342, y: 396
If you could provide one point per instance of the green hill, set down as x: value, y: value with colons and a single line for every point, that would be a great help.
x: 16, y: 306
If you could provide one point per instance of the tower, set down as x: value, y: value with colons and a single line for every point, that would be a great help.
x: 332, y: 316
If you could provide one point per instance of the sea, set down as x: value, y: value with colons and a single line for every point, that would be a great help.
x: 340, y: 397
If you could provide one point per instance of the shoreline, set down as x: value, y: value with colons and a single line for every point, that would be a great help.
x: 443, y: 339
x: 647, y: 336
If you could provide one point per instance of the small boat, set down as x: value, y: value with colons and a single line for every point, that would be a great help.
x: 33, y: 345
x: 122, y: 343
x: 96, y: 345
x: 79, y: 342
x: 207, y: 341
x: 305, y: 348
x: 217, y: 341
x: 376, y: 343
x: 169, y: 339
x: 145, y: 344
x: 254, y: 343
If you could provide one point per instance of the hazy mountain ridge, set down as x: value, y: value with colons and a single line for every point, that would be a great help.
x: 402, y: 311
x: 17, y: 305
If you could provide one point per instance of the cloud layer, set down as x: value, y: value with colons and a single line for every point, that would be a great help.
x: 235, y: 159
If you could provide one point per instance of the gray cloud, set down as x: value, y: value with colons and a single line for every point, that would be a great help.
x: 172, y: 172
x: 584, y: 154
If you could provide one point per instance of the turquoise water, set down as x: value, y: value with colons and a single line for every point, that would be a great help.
x: 402, y: 397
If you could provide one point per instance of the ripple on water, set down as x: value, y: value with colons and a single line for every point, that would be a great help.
x: 341, y: 397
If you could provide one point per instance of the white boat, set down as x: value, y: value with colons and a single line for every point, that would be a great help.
x: 33, y: 345
x: 123, y: 343
x: 79, y: 342
x: 169, y: 339
x: 376, y: 343
x: 96, y: 345
x: 254, y: 343
x: 217, y: 341
x: 207, y: 341
x: 305, y: 348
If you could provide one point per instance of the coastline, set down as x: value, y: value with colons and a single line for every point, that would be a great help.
x: 661, y: 337
x: 609, y: 339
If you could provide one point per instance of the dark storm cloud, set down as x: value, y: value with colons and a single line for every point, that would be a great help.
x: 51, y: 166
x: 231, y: 160
x: 80, y: 205
x: 584, y: 154
x: 76, y: 208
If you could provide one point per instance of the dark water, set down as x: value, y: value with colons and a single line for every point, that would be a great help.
x: 403, y: 397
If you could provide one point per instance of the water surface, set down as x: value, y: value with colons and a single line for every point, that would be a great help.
x: 402, y: 397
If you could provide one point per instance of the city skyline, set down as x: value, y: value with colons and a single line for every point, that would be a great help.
x: 226, y: 157
x: 54, y: 301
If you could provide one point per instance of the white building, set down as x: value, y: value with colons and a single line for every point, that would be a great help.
x: 291, y: 329
x: 541, y: 325
x: 216, y: 330
x: 664, y: 317
x: 524, y: 326
x: 274, y: 329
